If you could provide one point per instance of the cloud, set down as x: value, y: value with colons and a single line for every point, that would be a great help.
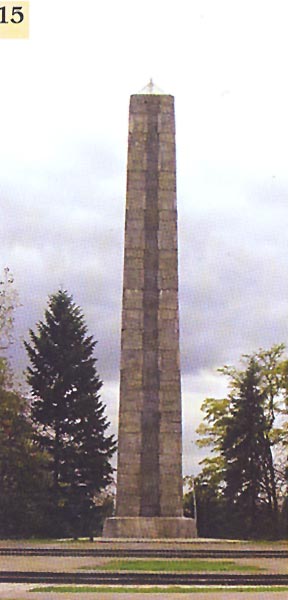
x: 233, y: 282
x: 63, y: 147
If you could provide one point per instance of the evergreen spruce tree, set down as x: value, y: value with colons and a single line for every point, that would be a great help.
x: 244, y: 451
x: 69, y: 414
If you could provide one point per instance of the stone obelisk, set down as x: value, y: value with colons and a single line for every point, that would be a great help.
x: 149, y: 480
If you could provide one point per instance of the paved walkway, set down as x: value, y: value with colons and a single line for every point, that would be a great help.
x: 73, y: 564
x: 23, y: 591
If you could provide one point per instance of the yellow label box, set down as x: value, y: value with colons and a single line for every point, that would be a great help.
x: 14, y: 20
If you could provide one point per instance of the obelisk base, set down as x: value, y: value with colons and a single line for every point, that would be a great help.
x: 149, y: 527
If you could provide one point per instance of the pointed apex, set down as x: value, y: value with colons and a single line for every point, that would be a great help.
x: 151, y: 88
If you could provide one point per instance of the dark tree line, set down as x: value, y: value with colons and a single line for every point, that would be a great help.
x: 55, y: 452
x: 242, y: 489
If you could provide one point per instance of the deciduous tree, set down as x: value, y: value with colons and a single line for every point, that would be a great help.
x: 23, y: 481
x: 23, y: 478
x: 242, y: 431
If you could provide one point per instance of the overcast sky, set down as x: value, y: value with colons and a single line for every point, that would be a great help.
x: 63, y: 143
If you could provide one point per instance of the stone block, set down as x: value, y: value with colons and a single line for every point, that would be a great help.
x: 132, y: 319
x: 168, y: 299
x: 130, y: 443
x: 166, y: 123
x: 131, y: 482
x: 138, y: 104
x: 166, y: 138
x: 165, y: 165
x: 137, y: 223
x: 135, y: 214
x: 151, y: 215
x: 151, y: 186
x: 150, y: 379
x: 164, y: 386
x: 168, y: 327
x: 171, y: 503
x: 167, y: 281
x: 132, y: 299
x: 171, y: 506
x: 134, y: 279
x: 170, y: 426
x: 151, y: 238
x: 130, y: 422
x: 167, y: 181
x: 150, y: 339
x: 137, y: 159
x: 150, y: 301
x: 130, y: 379
x: 131, y: 358
x: 131, y: 399
x: 170, y: 475
x: 167, y: 103
x: 170, y: 445
x: 136, y: 186
x: 126, y: 505
x: 150, y: 358
x: 166, y: 199
x: 130, y: 464
x: 168, y: 362
x: 165, y: 241
x: 138, y: 122
x: 136, y: 180
x: 132, y: 340
x: 150, y: 324
x: 166, y: 155
x: 168, y: 260
x: 170, y: 415
x: 167, y: 238
x: 134, y: 238
x: 170, y: 228
x: 136, y: 199
x: 167, y: 215
x: 168, y: 338
x: 168, y: 399
x: 133, y: 263
x: 133, y: 253
x: 168, y: 313
x: 151, y: 280
x: 172, y: 376
x: 150, y: 402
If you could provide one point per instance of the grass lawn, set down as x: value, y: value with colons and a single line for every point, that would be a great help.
x: 178, y: 565
x: 154, y: 590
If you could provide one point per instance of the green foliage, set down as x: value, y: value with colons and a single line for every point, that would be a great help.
x: 23, y: 480
x: 69, y: 415
x: 207, y: 495
x: 246, y: 449
x: 240, y: 477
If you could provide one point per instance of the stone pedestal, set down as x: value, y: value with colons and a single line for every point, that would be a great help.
x: 149, y: 527
x: 149, y: 480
